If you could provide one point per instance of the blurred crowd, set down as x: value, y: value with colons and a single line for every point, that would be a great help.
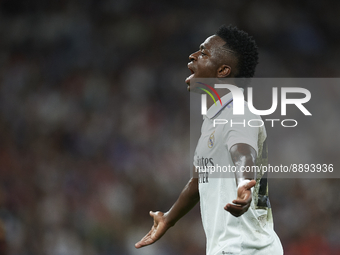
x: 94, y: 127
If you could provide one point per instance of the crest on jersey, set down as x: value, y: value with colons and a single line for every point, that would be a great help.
x: 211, y: 140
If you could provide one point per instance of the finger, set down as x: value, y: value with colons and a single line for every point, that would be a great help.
x: 250, y: 184
x: 234, y: 208
x: 246, y: 205
x: 232, y: 212
x: 236, y: 211
x: 246, y: 199
x: 237, y: 208
x: 153, y: 215
x: 240, y: 202
x: 146, y: 240
x: 139, y: 245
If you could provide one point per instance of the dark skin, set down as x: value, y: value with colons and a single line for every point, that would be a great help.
x: 242, y: 155
x: 211, y: 61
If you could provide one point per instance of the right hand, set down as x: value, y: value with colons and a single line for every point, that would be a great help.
x: 157, y: 231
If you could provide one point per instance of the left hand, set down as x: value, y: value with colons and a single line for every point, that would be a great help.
x: 242, y: 203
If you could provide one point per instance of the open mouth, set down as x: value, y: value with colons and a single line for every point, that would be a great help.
x: 187, y: 80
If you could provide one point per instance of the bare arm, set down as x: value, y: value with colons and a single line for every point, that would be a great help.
x: 242, y: 155
x: 186, y: 201
x: 163, y: 221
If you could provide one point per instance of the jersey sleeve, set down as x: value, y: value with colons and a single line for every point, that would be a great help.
x: 239, y: 130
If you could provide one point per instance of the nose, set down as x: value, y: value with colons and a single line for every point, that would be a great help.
x: 193, y: 56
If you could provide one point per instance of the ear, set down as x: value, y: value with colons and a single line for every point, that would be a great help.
x: 223, y: 71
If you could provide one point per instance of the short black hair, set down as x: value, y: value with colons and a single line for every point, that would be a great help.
x: 243, y: 46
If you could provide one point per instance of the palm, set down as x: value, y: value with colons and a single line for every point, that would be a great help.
x: 243, y: 193
x: 242, y: 203
x: 157, y: 231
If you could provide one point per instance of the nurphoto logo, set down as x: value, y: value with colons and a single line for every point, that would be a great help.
x: 238, y: 103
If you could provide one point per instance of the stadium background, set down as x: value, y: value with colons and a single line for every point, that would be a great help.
x: 86, y: 151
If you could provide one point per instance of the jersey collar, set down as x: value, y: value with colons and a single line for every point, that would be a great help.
x: 216, y: 108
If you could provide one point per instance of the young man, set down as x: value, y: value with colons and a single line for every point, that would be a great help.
x: 233, y: 226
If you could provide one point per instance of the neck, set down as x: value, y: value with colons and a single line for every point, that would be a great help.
x: 221, y: 93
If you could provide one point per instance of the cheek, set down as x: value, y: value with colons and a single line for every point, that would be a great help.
x: 208, y: 69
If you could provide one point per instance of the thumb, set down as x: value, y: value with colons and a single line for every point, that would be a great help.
x: 152, y: 214
x: 250, y: 184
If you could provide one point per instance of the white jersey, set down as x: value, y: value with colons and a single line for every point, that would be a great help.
x: 253, y: 232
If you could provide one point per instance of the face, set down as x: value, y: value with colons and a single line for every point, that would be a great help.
x: 206, y: 62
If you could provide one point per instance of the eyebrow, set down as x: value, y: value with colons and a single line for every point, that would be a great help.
x: 202, y: 47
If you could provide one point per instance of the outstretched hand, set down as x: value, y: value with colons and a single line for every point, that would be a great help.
x: 157, y: 231
x: 242, y: 203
